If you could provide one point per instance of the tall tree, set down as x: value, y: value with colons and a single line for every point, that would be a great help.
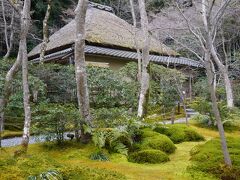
x: 10, y: 74
x: 136, y: 40
x: 22, y: 58
x: 80, y: 64
x: 205, y: 55
x: 144, y: 89
x: 25, y: 23
x: 45, y: 31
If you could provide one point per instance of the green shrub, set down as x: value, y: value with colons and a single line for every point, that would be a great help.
x: 201, y: 119
x: 208, y: 158
x: 99, y: 155
x: 148, y: 156
x: 179, y: 133
x: 52, y: 120
x: 154, y: 140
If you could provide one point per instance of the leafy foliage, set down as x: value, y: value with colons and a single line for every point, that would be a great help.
x: 113, y: 140
x: 52, y: 120
x: 148, y: 156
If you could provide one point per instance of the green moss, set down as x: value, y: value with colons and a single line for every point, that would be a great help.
x: 8, y: 134
x: 87, y: 173
x: 160, y: 142
x: 208, y: 158
x: 179, y: 133
x: 147, y: 132
x: 148, y: 156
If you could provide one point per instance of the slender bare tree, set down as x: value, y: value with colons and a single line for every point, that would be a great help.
x: 136, y: 40
x: 211, y: 26
x: 45, y: 31
x: 10, y: 75
x: 22, y: 58
x: 144, y: 89
x: 8, y: 30
x: 205, y: 55
x: 80, y: 64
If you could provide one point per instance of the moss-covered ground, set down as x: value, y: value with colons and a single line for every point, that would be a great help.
x: 74, y: 159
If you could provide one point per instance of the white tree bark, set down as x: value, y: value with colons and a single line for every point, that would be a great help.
x: 136, y: 41
x: 210, y: 77
x: 25, y: 23
x: 210, y: 34
x: 80, y: 64
x: 144, y: 90
x: 207, y: 53
x: 45, y: 32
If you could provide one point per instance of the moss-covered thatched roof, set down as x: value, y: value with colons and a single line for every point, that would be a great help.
x: 104, y: 29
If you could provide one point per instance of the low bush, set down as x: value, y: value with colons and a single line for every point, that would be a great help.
x: 148, y: 156
x: 179, y: 133
x: 208, y: 158
x: 201, y: 119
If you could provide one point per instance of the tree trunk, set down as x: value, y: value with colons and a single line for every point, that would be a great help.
x: 45, y: 32
x: 25, y: 23
x: 7, y: 90
x: 80, y: 64
x: 210, y: 44
x: 173, y: 115
x: 144, y: 89
x: 185, y: 111
x: 216, y: 112
x: 8, y: 39
x: 136, y: 41
x: 1, y: 130
x: 224, y: 72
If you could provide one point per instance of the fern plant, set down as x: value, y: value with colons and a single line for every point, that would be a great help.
x: 48, y: 175
x: 113, y: 140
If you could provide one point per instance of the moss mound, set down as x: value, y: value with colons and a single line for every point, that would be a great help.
x: 208, y: 158
x: 148, y: 156
x: 179, y: 133
x: 154, y: 140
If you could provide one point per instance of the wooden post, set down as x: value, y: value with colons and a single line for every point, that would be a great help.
x: 190, y: 87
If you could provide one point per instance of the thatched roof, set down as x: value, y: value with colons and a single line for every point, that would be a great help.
x: 105, y: 29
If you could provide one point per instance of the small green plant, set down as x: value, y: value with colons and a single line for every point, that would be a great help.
x: 148, y: 156
x: 99, y: 155
x: 49, y: 175
x: 113, y: 140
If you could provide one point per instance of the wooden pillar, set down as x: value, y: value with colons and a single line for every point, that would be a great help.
x: 190, y: 87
